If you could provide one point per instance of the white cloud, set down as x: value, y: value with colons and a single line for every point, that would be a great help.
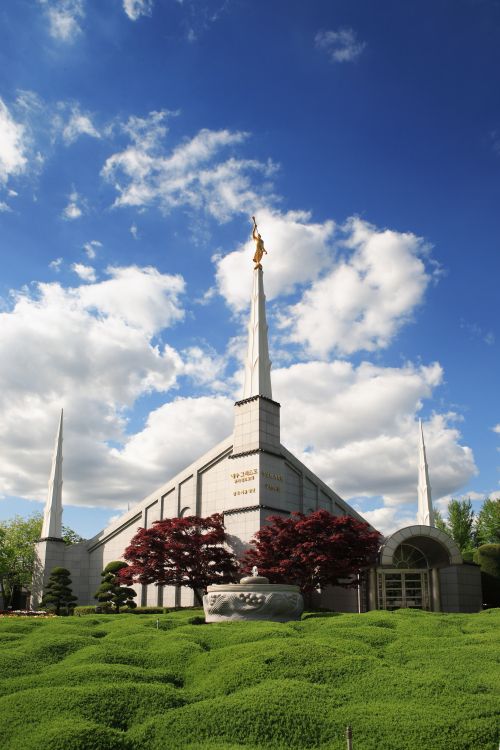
x: 496, y: 428
x: 205, y: 367
x: 91, y: 248
x: 142, y: 298
x: 298, y: 250
x: 4, y: 208
x: 79, y: 123
x: 13, y: 159
x: 90, y: 349
x: 64, y: 18
x: 387, y: 521
x: 157, y: 450
x: 341, y: 46
x: 476, y: 332
x: 134, y: 231
x: 193, y: 174
x: 55, y: 265
x: 137, y: 8
x: 73, y: 210
x: 357, y: 428
x: 86, y: 273
x: 371, y: 291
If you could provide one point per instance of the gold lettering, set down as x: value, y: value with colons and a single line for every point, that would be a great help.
x: 270, y: 475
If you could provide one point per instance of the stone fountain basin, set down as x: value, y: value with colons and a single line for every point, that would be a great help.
x: 253, y: 601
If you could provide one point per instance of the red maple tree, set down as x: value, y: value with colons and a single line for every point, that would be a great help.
x: 186, y: 551
x: 312, y: 551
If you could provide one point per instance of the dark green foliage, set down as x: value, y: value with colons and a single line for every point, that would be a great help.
x: 468, y: 555
x: 112, y: 594
x: 403, y: 680
x: 148, y: 611
x: 58, y: 594
x: 488, y: 557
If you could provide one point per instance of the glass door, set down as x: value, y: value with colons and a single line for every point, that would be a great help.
x: 403, y: 589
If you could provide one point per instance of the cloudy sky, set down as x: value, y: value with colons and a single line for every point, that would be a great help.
x: 137, y: 137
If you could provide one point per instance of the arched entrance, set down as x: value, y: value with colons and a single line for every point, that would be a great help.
x: 407, y: 575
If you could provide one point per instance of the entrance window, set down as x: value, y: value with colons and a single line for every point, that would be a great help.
x: 408, y: 556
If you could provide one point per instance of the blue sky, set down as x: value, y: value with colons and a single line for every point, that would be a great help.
x: 137, y: 137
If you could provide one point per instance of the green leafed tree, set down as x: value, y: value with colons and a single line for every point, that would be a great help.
x: 488, y: 522
x: 440, y: 523
x: 58, y: 594
x: 18, y: 537
x: 460, y: 524
x: 112, y: 593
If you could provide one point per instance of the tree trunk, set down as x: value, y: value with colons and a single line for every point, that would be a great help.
x: 197, y: 597
x: 2, y: 592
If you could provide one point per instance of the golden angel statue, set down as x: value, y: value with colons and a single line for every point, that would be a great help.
x: 259, y: 245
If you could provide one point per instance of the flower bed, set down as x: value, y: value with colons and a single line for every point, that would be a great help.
x: 25, y: 613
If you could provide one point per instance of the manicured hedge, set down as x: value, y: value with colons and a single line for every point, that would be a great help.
x: 92, y: 610
x: 88, y: 610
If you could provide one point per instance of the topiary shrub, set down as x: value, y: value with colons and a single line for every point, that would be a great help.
x: 112, y: 594
x: 147, y: 611
x: 488, y: 557
x: 58, y: 594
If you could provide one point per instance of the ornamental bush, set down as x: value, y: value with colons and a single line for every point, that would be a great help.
x: 58, y: 594
x: 112, y: 594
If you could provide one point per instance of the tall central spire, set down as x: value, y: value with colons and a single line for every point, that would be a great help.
x: 257, y: 416
x: 257, y: 363
x: 425, y: 513
x: 52, y: 517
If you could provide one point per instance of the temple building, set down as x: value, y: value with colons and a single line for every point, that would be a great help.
x: 248, y: 477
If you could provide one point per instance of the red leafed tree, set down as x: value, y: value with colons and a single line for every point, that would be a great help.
x: 186, y: 551
x: 312, y: 551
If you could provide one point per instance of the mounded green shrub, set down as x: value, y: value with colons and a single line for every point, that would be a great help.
x: 74, y: 733
x: 147, y: 611
x: 403, y: 680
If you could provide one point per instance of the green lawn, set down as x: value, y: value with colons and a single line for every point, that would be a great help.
x: 405, y: 680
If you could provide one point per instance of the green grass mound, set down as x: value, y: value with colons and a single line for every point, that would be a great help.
x: 72, y: 734
x: 403, y: 680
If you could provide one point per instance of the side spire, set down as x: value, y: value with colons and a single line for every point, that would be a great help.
x: 425, y: 513
x: 257, y: 363
x: 52, y: 517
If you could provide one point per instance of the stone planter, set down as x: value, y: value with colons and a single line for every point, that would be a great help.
x: 254, y: 598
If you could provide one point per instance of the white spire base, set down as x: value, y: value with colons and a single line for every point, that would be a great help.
x: 425, y: 513
x: 257, y: 363
x: 52, y: 517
